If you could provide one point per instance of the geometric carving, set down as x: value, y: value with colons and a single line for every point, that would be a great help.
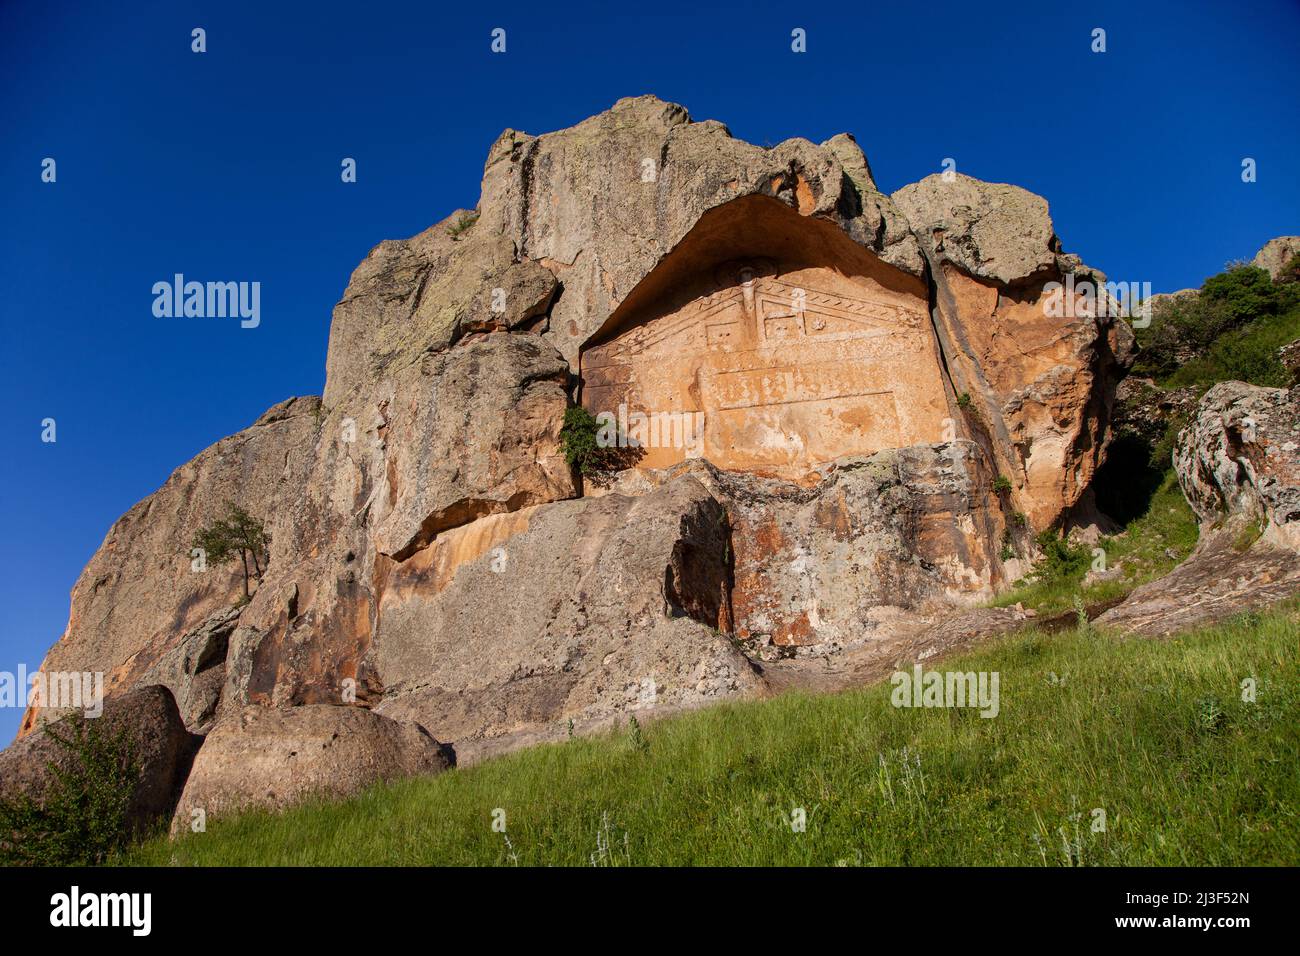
x: 790, y: 369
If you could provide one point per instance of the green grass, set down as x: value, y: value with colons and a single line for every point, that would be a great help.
x: 1150, y: 547
x: 1152, y: 732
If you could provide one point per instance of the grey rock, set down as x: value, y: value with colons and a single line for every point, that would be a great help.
x: 270, y: 758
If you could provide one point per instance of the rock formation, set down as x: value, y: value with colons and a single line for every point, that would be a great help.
x: 145, y: 719
x: 1278, y: 256
x: 1238, y: 462
x: 1240, y: 456
x: 264, y: 757
x: 851, y: 409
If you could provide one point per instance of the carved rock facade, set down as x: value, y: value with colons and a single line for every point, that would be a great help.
x: 842, y: 378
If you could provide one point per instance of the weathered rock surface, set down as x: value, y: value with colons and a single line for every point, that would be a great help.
x: 778, y: 339
x: 1040, y: 386
x: 508, y: 628
x: 1238, y: 461
x: 1221, y: 578
x: 873, y: 547
x: 597, y: 205
x: 139, y: 594
x: 1277, y: 255
x: 1145, y: 409
x: 989, y: 230
x: 1240, y: 455
x: 148, y: 723
x: 267, y: 757
x: 865, y: 367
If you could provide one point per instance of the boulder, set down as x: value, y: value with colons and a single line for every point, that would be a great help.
x: 270, y: 758
x: 1225, y: 575
x: 1240, y: 456
x: 1238, y: 462
x: 1277, y: 256
x: 149, y: 724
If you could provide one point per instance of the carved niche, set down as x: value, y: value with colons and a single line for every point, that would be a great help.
x: 773, y: 371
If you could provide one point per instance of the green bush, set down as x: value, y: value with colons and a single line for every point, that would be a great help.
x: 83, y: 818
x: 1230, y: 331
x: 1061, y: 561
x: 578, y: 437
x: 462, y: 225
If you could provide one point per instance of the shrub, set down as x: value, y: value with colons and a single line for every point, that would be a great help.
x: 1061, y: 560
x: 578, y: 437
x: 83, y: 818
x: 462, y: 225
x: 1215, y: 335
x: 1002, y: 485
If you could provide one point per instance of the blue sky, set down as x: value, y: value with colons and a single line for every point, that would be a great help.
x: 225, y: 165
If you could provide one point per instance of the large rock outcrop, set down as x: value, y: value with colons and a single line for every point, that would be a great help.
x: 873, y: 546
x: 1040, y: 372
x: 1240, y: 456
x: 1238, y: 462
x: 506, y: 630
x: 1278, y: 256
x: 141, y: 593
x: 847, y: 410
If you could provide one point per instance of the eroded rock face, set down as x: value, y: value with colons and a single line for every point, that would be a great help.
x: 1040, y: 383
x: 1277, y: 255
x: 872, y: 547
x: 1238, y: 461
x: 267, y: 757
x: 863, y: 368
x: 504, y: 630
x: 603, y: 202
x: 770, y: 344
x: 1220, y: 579
x: 139, y: 594
x: 1240, y: 456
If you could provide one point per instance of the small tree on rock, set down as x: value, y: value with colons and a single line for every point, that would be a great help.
x: 235, y: 534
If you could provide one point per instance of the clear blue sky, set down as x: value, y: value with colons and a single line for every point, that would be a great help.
x: 225, y: 165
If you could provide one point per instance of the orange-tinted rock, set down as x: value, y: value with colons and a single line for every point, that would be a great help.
x: 765, y: 343
x: 1038, y: 381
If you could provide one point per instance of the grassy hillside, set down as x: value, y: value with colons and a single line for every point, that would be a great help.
x: 1154, y: 733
